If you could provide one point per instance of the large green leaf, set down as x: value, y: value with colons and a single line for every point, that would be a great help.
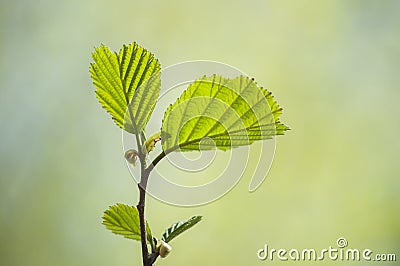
x: 124, y: 220
x: 216, y: 112
x: 179, y: 227
x: 129, y: 78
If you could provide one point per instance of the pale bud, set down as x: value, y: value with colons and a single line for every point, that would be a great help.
x: 163, y: 249
x: 131, y: 156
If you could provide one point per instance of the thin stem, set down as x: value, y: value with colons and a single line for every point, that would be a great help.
x: 159, y: 158
x: 156, y: 161
x: 144, y: 176
x: 141, y: 205
x: 142, y: 190
x: 143, y: 136
x: 148, y: 259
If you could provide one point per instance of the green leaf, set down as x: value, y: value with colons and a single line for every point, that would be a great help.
x: 129, y: 78
x: 216, y: 112
x: 124, y: 220
x: 151, y: 142
x: 179, y: 227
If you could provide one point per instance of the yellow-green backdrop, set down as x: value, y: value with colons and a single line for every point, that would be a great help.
x: 333, y: 66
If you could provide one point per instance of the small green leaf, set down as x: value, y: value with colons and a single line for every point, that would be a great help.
x: 129, y: 78
x: 179, y: 227
x: 151, y: 142
x: 216, y: 112
x: 124, y: 220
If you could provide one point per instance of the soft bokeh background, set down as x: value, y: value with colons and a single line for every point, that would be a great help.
x: 333, y: 66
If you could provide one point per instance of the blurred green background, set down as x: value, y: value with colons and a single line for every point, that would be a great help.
x: 333, y: 66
